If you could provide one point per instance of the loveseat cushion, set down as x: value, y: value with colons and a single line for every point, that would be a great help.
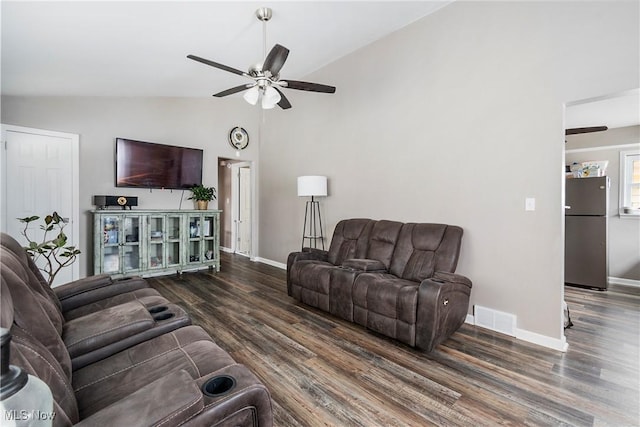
x: 423, y: 249
x: 80, y: 297
x: 29, y: 311
x: 382, y: 241
x: 386, y: 304
x: 104, y: 382
x: 31, y: 356
x: 35, y: 359
x: 350, y: 240
x: 170, y: 400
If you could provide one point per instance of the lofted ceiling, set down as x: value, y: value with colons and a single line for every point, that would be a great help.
x: 125, y: 48
x: 614, y: 111
x: 122, y: 48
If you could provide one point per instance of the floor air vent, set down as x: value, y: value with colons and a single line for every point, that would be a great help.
x: 495, y: 320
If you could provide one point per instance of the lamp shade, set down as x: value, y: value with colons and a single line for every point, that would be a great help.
x: 312, y: 185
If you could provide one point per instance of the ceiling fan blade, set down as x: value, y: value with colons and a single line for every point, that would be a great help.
x: 275, y: 59
x: 576, y: 131
x: 311, y: 87
x: 284, y: 102
x: 232, y: 90
x: 216, y: 65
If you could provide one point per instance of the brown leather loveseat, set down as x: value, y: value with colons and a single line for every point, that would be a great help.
x: 116, y: 353
x: 393, y: 278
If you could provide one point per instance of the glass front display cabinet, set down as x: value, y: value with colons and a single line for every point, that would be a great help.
x: 155, y: 242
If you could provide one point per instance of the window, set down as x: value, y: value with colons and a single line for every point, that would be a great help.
x: 630, y: 182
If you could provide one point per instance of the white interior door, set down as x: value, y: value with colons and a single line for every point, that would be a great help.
x: 244, y: 218
x: 241, y: 208
x: 40, y: 176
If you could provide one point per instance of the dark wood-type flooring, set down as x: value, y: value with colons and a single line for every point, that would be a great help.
x: 322, y: 371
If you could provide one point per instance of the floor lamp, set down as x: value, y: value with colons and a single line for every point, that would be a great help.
x: 313, y: 186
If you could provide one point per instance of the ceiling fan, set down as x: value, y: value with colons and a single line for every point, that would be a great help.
x: 266, y: 83
x: 576, y: 131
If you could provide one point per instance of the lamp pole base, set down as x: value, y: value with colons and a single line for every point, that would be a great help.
x: 312, y: 230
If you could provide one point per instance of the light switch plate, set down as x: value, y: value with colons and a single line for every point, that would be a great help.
x: 530, y: 204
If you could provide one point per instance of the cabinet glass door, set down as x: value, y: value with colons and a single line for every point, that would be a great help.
x: 195, y: 233
x: 156, y: 242
x: 111, y: 244
x: 174, y: 226
x: 209, y: 234
x: 131, y: 245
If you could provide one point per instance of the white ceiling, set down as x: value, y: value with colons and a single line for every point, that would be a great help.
x: 121, y: 48
x: 613, y: 111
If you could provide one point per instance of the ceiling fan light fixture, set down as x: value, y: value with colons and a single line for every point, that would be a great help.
x: 266, y: 105
x: 252, y: 95
x: 265, y: 74
x: 271, y: 95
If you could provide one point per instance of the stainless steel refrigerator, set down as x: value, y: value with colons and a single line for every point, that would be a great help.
x: 586, y: 260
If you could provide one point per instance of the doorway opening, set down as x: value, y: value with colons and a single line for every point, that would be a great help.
x: 235, y: 192
x: 606, y: 254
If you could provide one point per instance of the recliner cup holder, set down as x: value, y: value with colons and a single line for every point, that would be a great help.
x: 162, y: 316
x: 158, y: 309
x: 218, y: 385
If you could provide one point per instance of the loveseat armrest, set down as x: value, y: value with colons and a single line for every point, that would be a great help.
x: 106, y: 332
x: 170, y: 400
x: 233, y: 396
x: 364, y: 265
x: 444, y: 277
x: 443, y: 303
x: 88, y: 333
x: 306, y: 254
x: 95, y: 288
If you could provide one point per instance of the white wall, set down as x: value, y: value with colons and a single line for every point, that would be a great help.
x: 624, y: 232
x: 189, y: 122
x: 457, y: 119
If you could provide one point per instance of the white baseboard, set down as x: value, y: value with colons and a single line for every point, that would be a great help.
x: 228, y: 250
x: 625, y: 282
x: 543, y: 340
x: 521, y: 334
x: 270, y: 262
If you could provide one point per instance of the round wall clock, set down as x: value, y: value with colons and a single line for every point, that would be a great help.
x: 238, y: 138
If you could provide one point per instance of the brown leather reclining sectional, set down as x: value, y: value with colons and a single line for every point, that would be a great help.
x: 390, y: 277
x: 117, y: 353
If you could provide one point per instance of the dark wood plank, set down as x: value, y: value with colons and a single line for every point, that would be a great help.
x: 323, y: 371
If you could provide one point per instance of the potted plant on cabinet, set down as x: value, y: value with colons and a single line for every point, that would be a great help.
x: 202, y: 195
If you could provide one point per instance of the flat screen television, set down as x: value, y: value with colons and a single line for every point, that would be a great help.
x: 142, y: 164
